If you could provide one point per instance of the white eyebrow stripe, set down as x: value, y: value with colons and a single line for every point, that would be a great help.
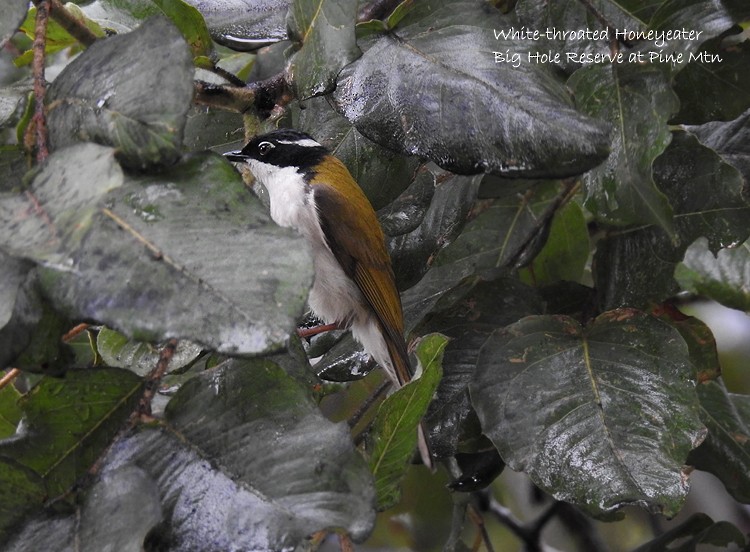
x: 305, y: 142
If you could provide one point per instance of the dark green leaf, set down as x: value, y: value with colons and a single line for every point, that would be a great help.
x: 638, y: 99
x: 701, y: 100
x: 120, y: 16
x: 70, y: 423
x: 12, y: 167
x: 601, y: 416
x: 566, y: 251
x: 451, y: 421
x: 724, y: 277
x: 636, y: 266
x: 189, y: 254
x: 726, y: 450
x: 394, y: 431
x: 21, y: 490
x: 433, y: 89
x: 698, y: 530
x: 381, y: 174
x: 190, y: 23
x: 105, y: 97
x: 10, y: 412
x: 323, y: 32
x: 731, y: 140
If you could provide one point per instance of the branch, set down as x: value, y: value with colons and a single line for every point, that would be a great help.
x: 40, y: 85
x: 261, y: 96
x: 518, y: 258
x: 9, y: 377
x: 154, y: 379
x: 67, y: 21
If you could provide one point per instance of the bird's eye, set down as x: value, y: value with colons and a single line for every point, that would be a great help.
x: 264, y: 148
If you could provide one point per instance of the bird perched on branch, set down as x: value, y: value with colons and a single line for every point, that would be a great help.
x: 312, y: 192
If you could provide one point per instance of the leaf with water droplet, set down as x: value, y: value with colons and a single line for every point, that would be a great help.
x: 601, y: 416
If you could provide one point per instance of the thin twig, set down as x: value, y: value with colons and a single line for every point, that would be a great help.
x: 315, y: 330
x: 478, y: 520
x: 365, y: 406
x: 67, y: 21
x: 262, y: 95
x: 570, y: 188
x: 154, y: 379
x: 75, y: 331
x: 40, y: 85
x: 506, y: 517
x: 9, y: 377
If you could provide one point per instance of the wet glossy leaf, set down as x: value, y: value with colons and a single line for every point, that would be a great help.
x: 13, y: 14
x: 413, y: 252
x: 731, y: 140
x: 381, y: 174
x: 698, y: 530
x: 119, y: 511
x: 444, y: 52
x: 724, y: 277
x: 601, y: 416
x: 638, y: 100
x: 247, y: 461
x: 188, y: 254
x: 323, y: 33
x: 636, y: 266
x: 45, y: 532
x: 245, y: 24
x: 450, y: 419
x: 702, y: 103
x: 726, y: 450
x: 12, y: 167
x: 105, y: 97
x: 141, y: 358
x: 394, y: 431
x: 55, y: 213
x: 121, y: 17
x: 13, y: 101
x: 70, y: 423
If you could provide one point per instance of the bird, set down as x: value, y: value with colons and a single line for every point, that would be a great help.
x: 312, y: 192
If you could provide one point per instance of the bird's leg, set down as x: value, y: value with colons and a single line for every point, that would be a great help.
x: 315, y: 330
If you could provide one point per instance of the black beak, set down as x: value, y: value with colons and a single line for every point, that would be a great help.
x: 236, y: 156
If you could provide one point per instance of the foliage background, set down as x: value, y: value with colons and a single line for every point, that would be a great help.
x: 547, y: 222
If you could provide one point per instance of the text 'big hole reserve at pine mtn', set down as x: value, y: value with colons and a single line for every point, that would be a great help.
x: 659, y: 38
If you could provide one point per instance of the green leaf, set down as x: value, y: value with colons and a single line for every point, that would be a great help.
x: 432, y: 88
x: 105, y: 97
x: 724, y: 277
x: 141, y: 358
x: 323, y: 33
x: 726, y: 450
x: 190, y: 23
x: 638, y: 100
x: 394, y: 431
x: 487, y: 305
x: 565, y: 252
x: 245, y: 460
x: 730, y: 140
x: 21, y: 490
x: 70, y: 423
x: 636, y: 266
x: 10, y: 412
x: 602, y: 416
x: 187, y: 253
x: 701, y: 101
x: 698, y: 530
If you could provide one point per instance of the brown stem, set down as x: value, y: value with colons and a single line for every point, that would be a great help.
x: 9, y: 377
x: 67, y: 21
x: 261, y: 96
x: 39, y: 120
x: 478, y: 520
x: 154, y: 378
